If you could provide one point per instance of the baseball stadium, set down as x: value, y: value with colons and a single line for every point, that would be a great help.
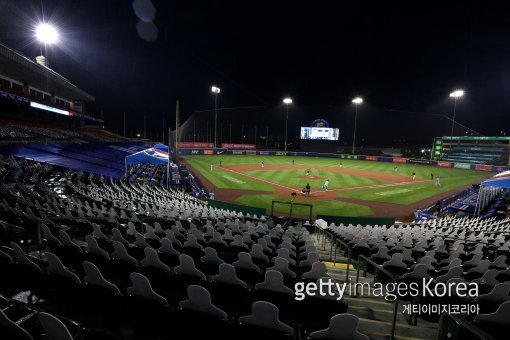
x: 221, y: 170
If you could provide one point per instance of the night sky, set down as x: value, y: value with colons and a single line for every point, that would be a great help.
x: 403, y: 58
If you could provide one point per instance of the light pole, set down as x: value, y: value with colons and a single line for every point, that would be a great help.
x: 286, y: 101
x: 455, y: 95
x: 216, y: 90
x: 356, y: 102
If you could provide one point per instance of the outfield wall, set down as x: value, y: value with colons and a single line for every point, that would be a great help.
x: 398, y: 160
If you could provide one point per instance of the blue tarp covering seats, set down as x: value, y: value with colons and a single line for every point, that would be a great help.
x: 501, y: 180
x: 158, y: 154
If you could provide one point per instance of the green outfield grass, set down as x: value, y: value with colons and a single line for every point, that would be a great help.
x: 412, y: 193
x: 270, y: 180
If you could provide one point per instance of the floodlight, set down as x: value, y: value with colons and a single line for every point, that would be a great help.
x: 457, y: 94
x: 46, y: 33
x: 287, y: 101
x: 215, y: 89
x: 357, y: 100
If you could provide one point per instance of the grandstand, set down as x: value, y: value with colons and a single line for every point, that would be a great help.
x: 103, y: 237
x: 472, y: 149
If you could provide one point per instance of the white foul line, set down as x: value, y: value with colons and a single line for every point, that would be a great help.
x: 341, y: 189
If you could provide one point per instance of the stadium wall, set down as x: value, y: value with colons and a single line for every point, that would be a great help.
x: 398, y: 160
x: 236, y: 207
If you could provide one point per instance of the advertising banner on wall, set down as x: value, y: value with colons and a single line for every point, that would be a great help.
x: 462, y: 166
x: 444, y: 164
x: 281, y: 153
x: 482, y: 167
x: 265, y: 153
x: 208, y: 152
x: 399, y: 160
x: 349, y: 156
x: 195, y: 145
x: 421, y: 161
x: 238, y: 146
x: 372, y: 158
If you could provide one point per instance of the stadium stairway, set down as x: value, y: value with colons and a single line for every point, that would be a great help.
x: 375, y: 314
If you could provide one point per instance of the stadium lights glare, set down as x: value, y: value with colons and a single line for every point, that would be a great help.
x: 215, y: 89
x: 357, y: 100
x: 457, y: 94
x: 46, y: 33
x: 287, y: 101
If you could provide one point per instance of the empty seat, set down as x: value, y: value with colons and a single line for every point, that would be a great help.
x: 265, y: 315
x: 258, y: 256
x: 55, y: 267
x: 10, y: 330
x: 54, y: 329
x: 94, y: 278
x: 478, y: 271
x: 341, y: 327
x: 152, y: 260
x: 141, y: 288
x: 274, y: 283
x: 227, y: 275
x: 199, y: 301
x: 94, y: 251
x: 490, y: 302
x: 187, y: 268
x: 117, y: 236
x: 453, y: 273
x: 318, y: 271
x: 496, y: 323
x: 499, y: 263
x: 246, y: 269
x: 210, y: 262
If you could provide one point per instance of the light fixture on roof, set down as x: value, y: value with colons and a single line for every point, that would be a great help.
x: 357, y: 100
x: 457, y: 94
x: 46, y: 33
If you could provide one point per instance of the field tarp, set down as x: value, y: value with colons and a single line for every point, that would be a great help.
x: 501, y: 180
x: 158, y: 154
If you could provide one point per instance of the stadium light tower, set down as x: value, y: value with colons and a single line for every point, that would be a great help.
x: 46, y: 34
x: 216, y: 90
x: 455, y: 95
x: 356, y: 102
x: 286, y: 101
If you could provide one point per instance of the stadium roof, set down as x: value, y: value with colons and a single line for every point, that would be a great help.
x: 16, y: 66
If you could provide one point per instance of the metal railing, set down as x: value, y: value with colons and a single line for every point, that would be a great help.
x: 378, y: 268
x: 444, y: 333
